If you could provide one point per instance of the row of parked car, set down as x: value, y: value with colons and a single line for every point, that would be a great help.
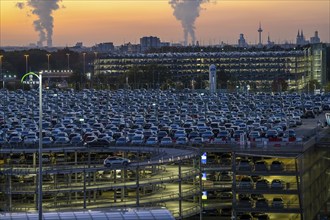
x: 100, y: 118
x: 261, y: 184
x: 261, y: 165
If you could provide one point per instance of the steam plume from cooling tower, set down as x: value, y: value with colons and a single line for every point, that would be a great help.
x: 44, y: 23
x: 187, y: 11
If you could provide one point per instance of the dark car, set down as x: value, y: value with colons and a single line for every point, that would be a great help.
x: 262, y: 203
x: 261, y: 166
x: 263, y: 217
x: 245, y: 216
x: 308, y: 114
x: 245, y: 202
x: 226, y: 211
x: 262, y: 184
x: 277, y: 166
x: 278, y: 202
x: 245, y: 183
x: 99, y: 143
x: 245, y: 165
x: 277, y: 184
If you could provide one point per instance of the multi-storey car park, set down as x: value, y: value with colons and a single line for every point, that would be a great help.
x: 296, y: 66
x: 234, y: 179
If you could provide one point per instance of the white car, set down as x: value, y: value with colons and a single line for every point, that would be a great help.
x: 110, y: 161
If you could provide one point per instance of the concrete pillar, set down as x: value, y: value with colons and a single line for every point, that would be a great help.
x: 76, y: 174
x: 137, y: 186
x: 233, y: 160
x: 9, y: 192
x: 180, y: 191
x: 84, y: 188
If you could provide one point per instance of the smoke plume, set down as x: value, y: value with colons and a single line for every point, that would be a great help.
x: 187, y: 11
x: 20, y: 5
x: 44, y: 23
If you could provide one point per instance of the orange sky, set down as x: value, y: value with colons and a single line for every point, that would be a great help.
x: 120, y: 21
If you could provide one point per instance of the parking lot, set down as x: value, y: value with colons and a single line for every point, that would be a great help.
x: 123, y: 117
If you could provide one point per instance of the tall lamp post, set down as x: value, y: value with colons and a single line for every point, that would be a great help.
x: 95, y: 67
x: 40, y: 138
x: 26, y: 62
x: 48, y: 56
x: 40, y: 148
x: 3, y: 80
x: 68, y: 57
x: 84, y: 68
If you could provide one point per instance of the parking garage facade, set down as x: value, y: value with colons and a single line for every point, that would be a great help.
x: 182, y: 182
x: 295, y: 66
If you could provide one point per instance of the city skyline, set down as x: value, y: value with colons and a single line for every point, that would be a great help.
x: 127, y: 21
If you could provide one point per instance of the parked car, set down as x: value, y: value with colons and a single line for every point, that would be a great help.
x: 246, y: 183
x: 76, y: 140
x: 226, y: 195
x: 137, y: 139
x: 153, y: 140
x: 277, y: 184
x: 261, y: 165
x: 182, y: 140
x: 245, y: 216
x: 262, y: 184
x: 308, y: 114
x: 245, y: 165
x: 61, y: 141
x: 122, y: 140
x: 112, y: 161
x: 262, y: 203
x: 278, y: 202
x: 47, y: 141
x: 245, y: 202
x: 166, y: 141
x: 277, y: 166
x: 263, y: 216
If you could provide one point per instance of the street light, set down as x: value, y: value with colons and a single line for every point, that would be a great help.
x: 3, y: 80
x: 95, y: 66
x: 31, y: 74
x: 40, y: 148
x: 48, y: 55
x: 84, y: 69
x: 68, y: 56
x: 26, y: 62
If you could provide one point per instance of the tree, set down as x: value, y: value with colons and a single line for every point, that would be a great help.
x: 151, y: 76
x: 222, y: 79
x: 311, y: 85
x: 327, y: 87
x: 279, y: 85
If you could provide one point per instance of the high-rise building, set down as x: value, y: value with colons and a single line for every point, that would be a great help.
x: 241, y: 41
x: 149, y: 42
x: 104, y: 47
x: 315, y: 39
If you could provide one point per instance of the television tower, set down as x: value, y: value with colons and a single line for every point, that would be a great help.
x: 260, y: 31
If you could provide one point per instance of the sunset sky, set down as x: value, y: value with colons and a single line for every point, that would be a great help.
x: 122, y: 21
